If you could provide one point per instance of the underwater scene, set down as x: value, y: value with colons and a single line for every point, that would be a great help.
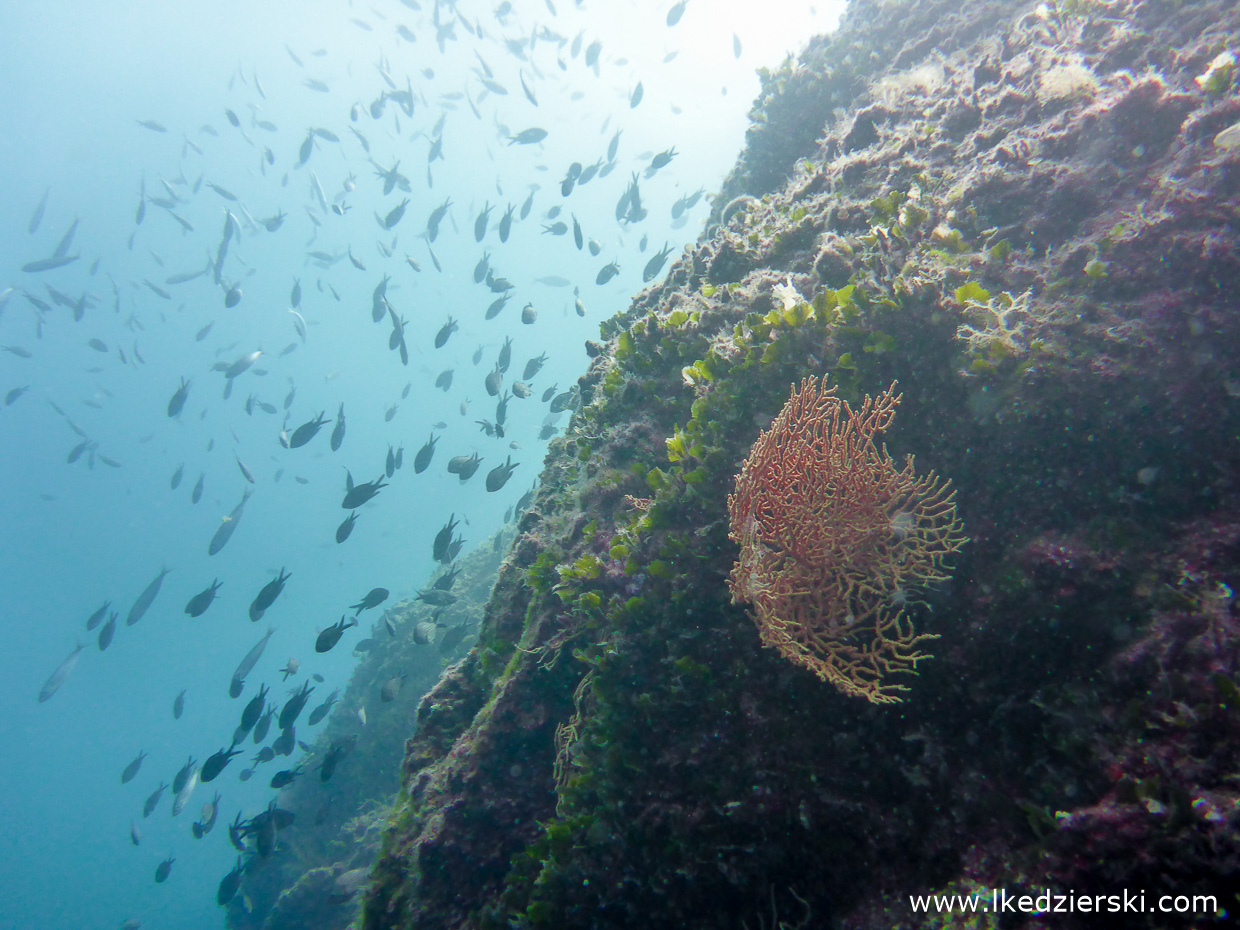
x: 554, y: 464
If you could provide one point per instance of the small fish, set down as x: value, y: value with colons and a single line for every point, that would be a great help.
x: 528, y: 136
x: 245, y: 471
x: 37, y: 217
x: 97, y: 617
x: 216, y: 762
x: 299, y: 324
x: 445, y: 332
x: 338, y: 430
x: 178, y: 705
x: 57, y: 678
x: 330, y: 636
x: 145, y: 599
x: 241, y: 365
x: 391, y: 688
x: 357, y: 495
x: 346, y: 527
x: 293, y: 707
x: 608, y: 272
x: 254, y: 709
x: 480, y: 224
x: 228, y: 526
x: 108, y: 631
x: 373, y: 598
x: 202, y: 600
x: 394, y: 215
x: 307, y: 431
x: 48, y: 264
x: 268, y: 594
x: 132, y: 769
x: 498, y: 476
x: 152, y: 801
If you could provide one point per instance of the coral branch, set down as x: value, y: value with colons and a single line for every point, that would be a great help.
x: 834, y: 540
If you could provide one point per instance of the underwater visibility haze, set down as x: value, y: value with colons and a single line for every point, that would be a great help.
x: 664, y: 464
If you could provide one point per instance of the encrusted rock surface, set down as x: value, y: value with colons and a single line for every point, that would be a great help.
x: 1022, y: 215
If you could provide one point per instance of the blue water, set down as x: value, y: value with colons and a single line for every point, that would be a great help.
x: 78, y: 77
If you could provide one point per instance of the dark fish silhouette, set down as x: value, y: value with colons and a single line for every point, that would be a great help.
x: 267, y: 596
x: 374, y: 597
x: 346, y: 527
x: 330, y: 636
x: 338, y: 431
x: 202, y: 600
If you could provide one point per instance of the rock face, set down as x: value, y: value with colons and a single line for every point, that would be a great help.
x: 1027, y: 218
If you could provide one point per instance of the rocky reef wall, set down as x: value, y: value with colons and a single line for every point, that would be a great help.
x: 1026, y: 215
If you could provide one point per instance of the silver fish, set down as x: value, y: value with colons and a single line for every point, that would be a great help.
x: 252, y: 657
x: 145, y: 599
x: 228, y: 526
x: 57, y: 678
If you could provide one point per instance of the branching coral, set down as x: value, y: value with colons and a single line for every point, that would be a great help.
x: 834, y: 538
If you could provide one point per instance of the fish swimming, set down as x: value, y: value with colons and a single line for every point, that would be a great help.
x: 242, y: 364
x: 425, y: 454
x: 216, y: 762
x: 307, y: 431
x: 97, y: 617
x: 145, y: 599
x: 498, y: 476
x: 267, y: 596
x: 57, y: 678
x: 132, y: 768
x: 356, y: 495
x: 183, y: 796
x: 373, y: 598
x: 228, y: 526
x: 338, y: 431
x: 252, y: 657
x: 202, y: 600
x: 608, y: 272
x: 293, y: 707
x: 321, y: 711
x: 655, y: 265
x: 229, y: 884
x: 37, y: 217
x: 528, y: 136
x: 152, y: 801
x: 330, y: 636
x: 443, y: 539
x: 107, y: 632
x: 533, y: 366
x: 345, y: 528
x: 47, y: 264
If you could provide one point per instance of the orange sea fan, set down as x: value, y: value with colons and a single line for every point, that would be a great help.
x: 836, y: 541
